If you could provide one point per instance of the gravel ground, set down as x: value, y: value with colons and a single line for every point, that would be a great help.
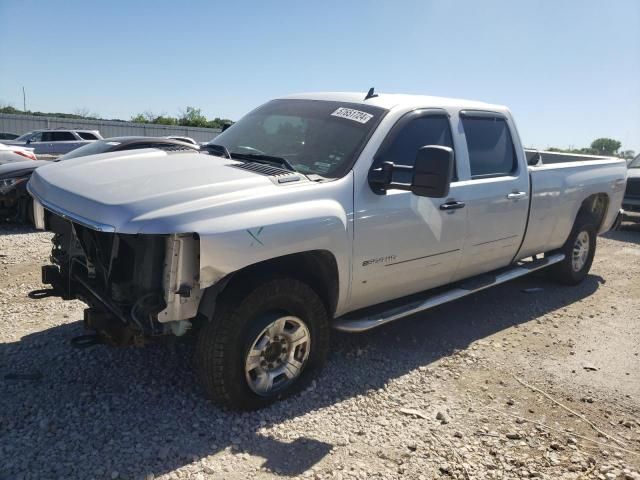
x: 435, y: 396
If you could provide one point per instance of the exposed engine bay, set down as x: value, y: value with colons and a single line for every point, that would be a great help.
x: 137, y: 286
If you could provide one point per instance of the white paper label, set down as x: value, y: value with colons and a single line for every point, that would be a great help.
x: 351, y: 114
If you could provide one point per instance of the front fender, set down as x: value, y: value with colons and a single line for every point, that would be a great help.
x: 310, y: 217
x: 263, y: 234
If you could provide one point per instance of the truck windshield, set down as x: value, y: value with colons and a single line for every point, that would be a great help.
x: 314, y: 137
x: 635, y: 163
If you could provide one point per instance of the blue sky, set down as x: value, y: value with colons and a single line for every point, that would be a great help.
x: 568, y: 69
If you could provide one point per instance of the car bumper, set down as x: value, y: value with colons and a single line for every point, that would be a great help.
x: 631, y: 208
x: 631, y: 216
x: 631, y: 204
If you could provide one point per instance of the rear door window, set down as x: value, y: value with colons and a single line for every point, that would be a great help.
x: 491, y: 151
x: 61, y: 136
x: 87, y: 136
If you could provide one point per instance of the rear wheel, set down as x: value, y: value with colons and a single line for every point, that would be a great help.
x: 579, y: 250
x: 264, y: 343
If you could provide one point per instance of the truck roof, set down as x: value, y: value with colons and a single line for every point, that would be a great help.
x: 392, y: 100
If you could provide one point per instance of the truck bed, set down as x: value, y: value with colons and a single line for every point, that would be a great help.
x: 557, y: 192
x: 543, y: 157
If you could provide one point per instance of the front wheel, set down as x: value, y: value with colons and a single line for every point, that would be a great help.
x: 579, y: 250
x: 263, y: 344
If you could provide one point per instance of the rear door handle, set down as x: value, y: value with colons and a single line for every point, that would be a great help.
x: 452, y: 205
x: 516, y: 195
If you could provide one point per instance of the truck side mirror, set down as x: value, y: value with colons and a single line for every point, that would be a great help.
x: 431, y: 174
x: 433, y: 171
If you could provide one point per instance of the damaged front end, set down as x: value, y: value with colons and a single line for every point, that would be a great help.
x: 138, y: 286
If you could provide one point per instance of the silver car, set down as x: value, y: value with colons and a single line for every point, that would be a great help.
x: 55, y: 142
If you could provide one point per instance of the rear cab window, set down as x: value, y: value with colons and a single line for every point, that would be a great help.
x: 489, y: 143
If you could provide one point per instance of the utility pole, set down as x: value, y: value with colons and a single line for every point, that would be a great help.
x: 24, y: 100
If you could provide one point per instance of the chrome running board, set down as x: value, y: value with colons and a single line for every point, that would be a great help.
x: 351, y: 322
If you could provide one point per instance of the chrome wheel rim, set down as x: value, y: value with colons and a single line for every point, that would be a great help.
x: 277, y: 355
x: 580, y: 251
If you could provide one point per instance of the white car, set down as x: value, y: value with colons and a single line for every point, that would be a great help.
x: 14, y: 153
x: 314, y: 211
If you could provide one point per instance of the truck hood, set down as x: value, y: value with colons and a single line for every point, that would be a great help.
x: 142, y: 190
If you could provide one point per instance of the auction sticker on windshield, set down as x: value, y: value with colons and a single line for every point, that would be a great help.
x: 351, y: 114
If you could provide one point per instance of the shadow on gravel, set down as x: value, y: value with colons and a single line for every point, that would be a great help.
x: 15, y: 229
x: 81, y: 413
x: 628, y: 232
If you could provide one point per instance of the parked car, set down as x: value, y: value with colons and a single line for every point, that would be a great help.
x: 14, y: 153
x: 631, y: 201
x: 313, y: 211
x: 55, y: 142
x: 15, y: 202
x: 8, y: 136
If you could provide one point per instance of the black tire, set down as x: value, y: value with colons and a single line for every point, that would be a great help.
x: 241, y: 314
x: 565, y: 272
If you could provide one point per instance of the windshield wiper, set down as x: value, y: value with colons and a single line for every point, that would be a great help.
x: 262, y: 158
x: 217, y: 149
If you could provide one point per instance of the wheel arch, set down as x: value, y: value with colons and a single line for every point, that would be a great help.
x: 593, y: 207
x: 317, y: 268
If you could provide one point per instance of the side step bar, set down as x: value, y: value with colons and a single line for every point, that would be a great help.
x: 353, y: 323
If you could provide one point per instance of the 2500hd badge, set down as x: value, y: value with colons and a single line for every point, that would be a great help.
x: 373, y: 261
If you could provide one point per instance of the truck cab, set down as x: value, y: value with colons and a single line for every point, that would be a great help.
x: 427, y: 242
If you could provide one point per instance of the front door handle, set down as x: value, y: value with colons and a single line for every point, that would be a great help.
x: 452, y: 205
x: 516, y: 195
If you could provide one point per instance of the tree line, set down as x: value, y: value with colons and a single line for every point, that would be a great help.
x: 600, y: 146
x: 189, y: 117
x: 193, y: 117
x: 80, y: 114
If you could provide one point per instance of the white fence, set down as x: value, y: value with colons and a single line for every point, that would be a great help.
x: 24, y: 123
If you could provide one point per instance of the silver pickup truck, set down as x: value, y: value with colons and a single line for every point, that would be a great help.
x: 314, y: 211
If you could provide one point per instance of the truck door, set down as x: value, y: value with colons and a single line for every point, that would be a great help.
x: 404, y: 243
x: 496, y: 192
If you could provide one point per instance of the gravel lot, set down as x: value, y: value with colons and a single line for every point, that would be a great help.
x: 435, y: 396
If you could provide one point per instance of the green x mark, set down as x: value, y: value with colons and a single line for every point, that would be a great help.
x: 256, y: 235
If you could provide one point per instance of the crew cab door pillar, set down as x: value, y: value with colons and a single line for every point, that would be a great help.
x: 496, y: 191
